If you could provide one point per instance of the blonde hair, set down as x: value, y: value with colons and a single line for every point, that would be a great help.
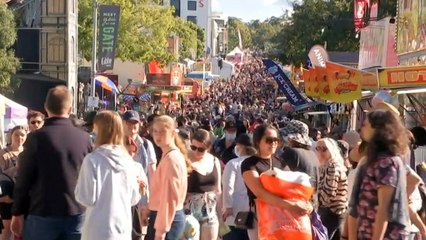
x: 333, y: 148
x: 170, y: 124
x: 109, y: 128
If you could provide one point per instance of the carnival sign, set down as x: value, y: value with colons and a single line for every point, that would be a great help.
x: 344, y: 83
x: 402, y: 77
x: 108, y: 34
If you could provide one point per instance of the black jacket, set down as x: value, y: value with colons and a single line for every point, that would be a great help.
x: 49, y: 168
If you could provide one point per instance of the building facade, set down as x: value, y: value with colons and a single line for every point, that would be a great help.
x: 198, y: 12
x: 219, y: 33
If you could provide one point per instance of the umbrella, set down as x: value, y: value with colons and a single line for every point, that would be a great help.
x: 106, y: 83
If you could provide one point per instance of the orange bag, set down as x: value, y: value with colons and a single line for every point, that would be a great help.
x: 276, y: 223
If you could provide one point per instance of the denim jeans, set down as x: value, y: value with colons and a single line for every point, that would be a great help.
x: 53, y: 228
x: 176, y: 230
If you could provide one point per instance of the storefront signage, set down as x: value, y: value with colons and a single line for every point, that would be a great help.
x: 402, y: 77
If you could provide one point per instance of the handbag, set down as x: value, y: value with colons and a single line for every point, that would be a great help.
x: 244, y: 220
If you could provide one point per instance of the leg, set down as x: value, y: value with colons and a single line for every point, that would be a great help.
x: 178, y: 226
x: 330, y: 220
x: 72, y: 227
x: 150, y: 234
x: 6, y: 233
x: 42, y: 228
x: 209, y: 231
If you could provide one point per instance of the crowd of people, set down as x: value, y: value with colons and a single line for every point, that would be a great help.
x: 196, y: 173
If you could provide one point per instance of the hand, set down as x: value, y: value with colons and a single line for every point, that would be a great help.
x: 17, y: 225
x: 143, y: 217
x: 226, y: 213
x: 298, y: 208
x: 160, y: 237
x: 6, y: 199
x: 142, y: 187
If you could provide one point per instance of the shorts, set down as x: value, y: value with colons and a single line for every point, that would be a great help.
x: 6, y: 211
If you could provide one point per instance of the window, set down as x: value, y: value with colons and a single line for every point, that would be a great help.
x: 192, y: 19
x: 192, y: 5
x: 176, y: 5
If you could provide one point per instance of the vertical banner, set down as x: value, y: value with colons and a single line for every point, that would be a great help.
x: 344, y: 82
x: 291, y: 93
x: 318, y: 56
x: 108, y: 33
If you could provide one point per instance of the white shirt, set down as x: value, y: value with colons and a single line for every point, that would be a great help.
x: 234, y: 190
x: 420, y: 154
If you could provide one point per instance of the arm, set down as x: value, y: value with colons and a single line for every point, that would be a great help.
x: 218, y: 188
x: 384, y: 195
x: 413, y: 181
x: 229, y: 175
x: 26, y: 175
x: 170, y: 193
x: 251, y: 178
x: 86, y: 191
x: 152, y: 158
x: 352, y: 228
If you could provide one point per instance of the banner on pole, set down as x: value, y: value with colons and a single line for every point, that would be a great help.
x: 108, y: 34
x: 291, y: 93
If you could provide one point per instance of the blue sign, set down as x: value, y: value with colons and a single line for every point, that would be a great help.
x: 291, y: 93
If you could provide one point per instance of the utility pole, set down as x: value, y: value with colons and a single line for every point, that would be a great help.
x: 94, y: 46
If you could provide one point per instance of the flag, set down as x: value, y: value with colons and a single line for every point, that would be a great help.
x: 240, y: 40
x: 145, y: 97
x: 291, y: 93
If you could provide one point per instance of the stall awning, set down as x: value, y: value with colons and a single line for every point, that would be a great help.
x: 14, y: 113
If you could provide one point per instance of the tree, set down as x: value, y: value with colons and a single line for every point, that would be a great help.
x: 317, y: 22
x: 263, y: 33
x: 9, y: 64
x: 143, y: 31
x: 235, y: 25
x: 201, y: 39
x: 188, y: 38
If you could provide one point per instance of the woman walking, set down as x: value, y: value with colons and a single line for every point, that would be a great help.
x: 204, y: 188
x: 110, y: 183
x: 9, y: 167
x: 332, y: 187
x: 169, y: 183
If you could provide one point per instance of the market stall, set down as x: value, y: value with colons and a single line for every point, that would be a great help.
x: 11, y: 114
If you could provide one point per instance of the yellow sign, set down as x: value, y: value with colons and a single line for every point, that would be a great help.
x: 323, y: 87
x: 344, y: 83
x: 402, y: 77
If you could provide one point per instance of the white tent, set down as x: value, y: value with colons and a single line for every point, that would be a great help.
x: 236, y: 51
x: 11, y: 114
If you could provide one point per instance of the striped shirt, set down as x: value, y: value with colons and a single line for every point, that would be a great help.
x: 333, y: 187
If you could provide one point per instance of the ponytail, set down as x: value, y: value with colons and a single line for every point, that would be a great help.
x: 182, y: 147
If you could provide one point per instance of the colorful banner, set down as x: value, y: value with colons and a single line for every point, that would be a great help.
x: 108, y: 33
x: 402, y: 77
x: 344, y: 82
x: 411, y: 36
x: 323, y: 86
x: 291, y: 93
x: 307, y: 82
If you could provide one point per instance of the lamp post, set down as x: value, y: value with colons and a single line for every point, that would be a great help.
x: 94, y: 46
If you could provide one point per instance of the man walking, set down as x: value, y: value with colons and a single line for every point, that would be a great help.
x: 48, y: 172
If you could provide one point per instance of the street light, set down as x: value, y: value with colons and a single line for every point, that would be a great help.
x: 94, y: 46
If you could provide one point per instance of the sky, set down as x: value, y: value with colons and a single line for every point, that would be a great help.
x: 249, y: 10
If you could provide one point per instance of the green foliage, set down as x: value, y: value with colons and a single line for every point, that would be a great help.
x: 201, y: 39
x: 317, y: 22
x: 235, y: 24
x: 143, y: 32
x: 187, y: 33
x: 9, y: 64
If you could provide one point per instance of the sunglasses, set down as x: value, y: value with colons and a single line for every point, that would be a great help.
x: 34, y: 122
x: 321, y: 149
x: 271, y: 140
x: 199, y: 149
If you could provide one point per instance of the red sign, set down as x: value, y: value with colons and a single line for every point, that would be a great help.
x: 402, y: 76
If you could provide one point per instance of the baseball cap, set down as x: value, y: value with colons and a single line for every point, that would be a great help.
x: 131, y: 115
x: 230, y: 125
